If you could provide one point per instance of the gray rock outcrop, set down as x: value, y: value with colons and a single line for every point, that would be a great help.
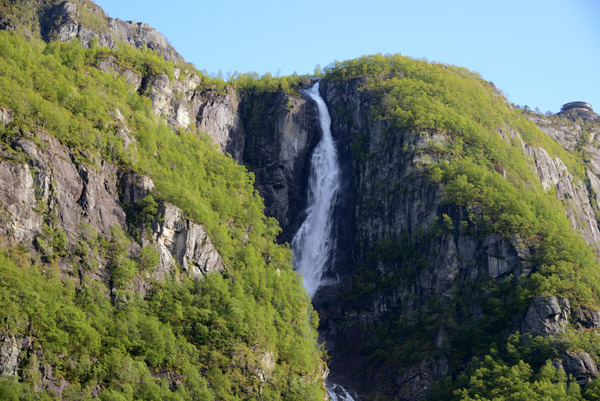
x: 9, y: 356
x: 76, y: 192
x: 587, y: 318
x: 581, y: 199
x: 553, y: 174
x: 132, y: 77
x: 173, y: 98
x: 417, y: 381
x: 546, y: 316
x: 123, y: 130
x: 218, y: 115
x: 6, y: 115
x: 18, y: 220
x: 182, y: 241
x: 52, y: 181
x: 66, y: 24
x: 133, y: 187
x: 580, y: 365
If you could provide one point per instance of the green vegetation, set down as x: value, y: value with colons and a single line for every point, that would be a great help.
x: 252, y: 83
x: 429, y: 97
x: 249, y: 333
x: 490, y: 187
x: 187, y: 339
x: 499, y: 381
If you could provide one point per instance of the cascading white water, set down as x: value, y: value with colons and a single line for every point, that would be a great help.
x: 338, y: 393
x: 312, y: 245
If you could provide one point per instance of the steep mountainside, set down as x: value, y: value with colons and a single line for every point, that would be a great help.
x: 137, y: 262
x: 464, y: 244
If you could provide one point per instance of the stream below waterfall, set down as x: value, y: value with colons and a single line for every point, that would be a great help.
x: 312, y: 245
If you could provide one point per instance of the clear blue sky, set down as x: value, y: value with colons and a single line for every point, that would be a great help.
x: 541, y: 53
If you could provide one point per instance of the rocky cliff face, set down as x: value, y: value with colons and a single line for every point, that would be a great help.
x: 62, y: 203
x: 55, y: 200
x: 218, y: 114
x: 392, y: 199
x: 386, y: 198
x: 271, y: 133
x: 44, y: 183
x: 384, y: 279
x: 84, y: 20
x: 281, y: 131
x: 575, y: 132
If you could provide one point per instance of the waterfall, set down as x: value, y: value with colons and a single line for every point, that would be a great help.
x: 313, y: 243
x: 338, y: 393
